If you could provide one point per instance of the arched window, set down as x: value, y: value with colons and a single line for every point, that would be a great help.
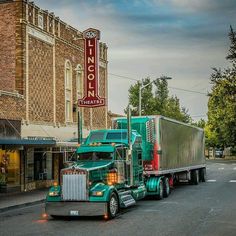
x: 79, y: 81
x: 68, y: 91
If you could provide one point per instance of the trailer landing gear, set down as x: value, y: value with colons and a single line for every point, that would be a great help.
x: 194, y: 177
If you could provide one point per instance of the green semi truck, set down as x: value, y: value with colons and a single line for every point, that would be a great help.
x: 139, y: 157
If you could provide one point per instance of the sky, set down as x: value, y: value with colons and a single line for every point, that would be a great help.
x: 182, y: 39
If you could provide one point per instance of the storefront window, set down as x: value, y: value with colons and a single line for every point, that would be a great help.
x: 9, y: 167
x: 39, y: 165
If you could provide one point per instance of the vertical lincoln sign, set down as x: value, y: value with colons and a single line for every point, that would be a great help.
x: 91, y: 98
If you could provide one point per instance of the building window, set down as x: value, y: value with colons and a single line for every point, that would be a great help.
x: 79, y: 81
x: 40, y: 21
x: 68, y: 91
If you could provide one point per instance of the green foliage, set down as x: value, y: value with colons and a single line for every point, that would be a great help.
x: 222, y: 102
x: 156, y: 100
x: 232, y: 50
x: 201, y: 123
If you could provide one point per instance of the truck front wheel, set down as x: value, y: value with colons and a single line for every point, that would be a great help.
x: 112, y: 206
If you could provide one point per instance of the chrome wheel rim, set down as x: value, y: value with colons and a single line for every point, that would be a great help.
x: 113, y: 206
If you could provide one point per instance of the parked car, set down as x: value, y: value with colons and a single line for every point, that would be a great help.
x: 219, y: 153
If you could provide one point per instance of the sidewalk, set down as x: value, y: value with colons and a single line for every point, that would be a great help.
x: 10, y: 201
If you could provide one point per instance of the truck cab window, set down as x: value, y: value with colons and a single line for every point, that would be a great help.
x: 120, y: 153
x: 95, y: 156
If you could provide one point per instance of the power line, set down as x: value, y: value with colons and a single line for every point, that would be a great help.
x: 185, y: 90
x: 203, y: 115
x: 123, y: 77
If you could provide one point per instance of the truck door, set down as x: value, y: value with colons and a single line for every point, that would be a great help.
x: 120, y: 163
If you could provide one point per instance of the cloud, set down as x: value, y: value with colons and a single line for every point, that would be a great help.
x: 199, y: 6
x: 179, y: 38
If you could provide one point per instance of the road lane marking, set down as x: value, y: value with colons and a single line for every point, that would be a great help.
x: 233, y: 181
x: 211, y: 180
x: 221, y: 168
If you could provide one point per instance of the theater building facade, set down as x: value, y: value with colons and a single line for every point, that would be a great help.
x: 41, y: 80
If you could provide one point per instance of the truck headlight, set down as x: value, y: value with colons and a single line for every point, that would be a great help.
x: 54, y: 194
x: 97, y: 193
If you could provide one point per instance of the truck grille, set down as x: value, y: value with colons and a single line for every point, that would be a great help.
x: 74, y: 187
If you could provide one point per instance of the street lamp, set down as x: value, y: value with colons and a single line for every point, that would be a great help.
x: 141, y: 87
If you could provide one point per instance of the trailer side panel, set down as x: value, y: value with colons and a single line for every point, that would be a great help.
x: 181, y: 145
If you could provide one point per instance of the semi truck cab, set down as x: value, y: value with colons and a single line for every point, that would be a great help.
x: 107, y: 176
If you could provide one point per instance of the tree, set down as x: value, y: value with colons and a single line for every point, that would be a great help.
x: 201, y: 123
x: 222, y: 101
x: 147, y: 100
x: 156, y: 100
x: 232, y: 50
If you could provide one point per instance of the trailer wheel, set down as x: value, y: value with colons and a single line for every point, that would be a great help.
x: 112, y: 206
x: 161, y: 191
x: 195, y: 177
x: 202, y: 174
x: 166, y: 187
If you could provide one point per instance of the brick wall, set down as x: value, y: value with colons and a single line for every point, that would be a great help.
x: 7, y: 46
x: 15, y: 17
x: 12, y: 108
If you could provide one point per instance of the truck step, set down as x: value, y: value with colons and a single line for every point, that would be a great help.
x: 128, y: 192
x: 127, y: 200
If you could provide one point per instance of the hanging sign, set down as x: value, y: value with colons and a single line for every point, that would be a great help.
x: 91, y: 66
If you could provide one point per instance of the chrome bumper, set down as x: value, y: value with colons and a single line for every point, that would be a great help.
x: 76, y: 208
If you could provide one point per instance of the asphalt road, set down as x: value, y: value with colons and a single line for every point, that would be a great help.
x: 206, y: 209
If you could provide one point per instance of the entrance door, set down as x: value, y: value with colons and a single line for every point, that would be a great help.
x: 39, y: 165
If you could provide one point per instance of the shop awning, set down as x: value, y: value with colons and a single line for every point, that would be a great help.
x: 28, y: 142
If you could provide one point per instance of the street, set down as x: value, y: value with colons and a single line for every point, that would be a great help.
x: 205, y: 209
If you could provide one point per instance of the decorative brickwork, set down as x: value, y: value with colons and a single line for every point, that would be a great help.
x: 40, y: 81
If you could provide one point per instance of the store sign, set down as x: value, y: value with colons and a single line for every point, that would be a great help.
x: 91, y: 67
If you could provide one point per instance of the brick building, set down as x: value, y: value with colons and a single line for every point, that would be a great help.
x: 41, y: 79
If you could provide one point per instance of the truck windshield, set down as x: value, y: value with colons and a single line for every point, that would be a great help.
x: 95, y: 156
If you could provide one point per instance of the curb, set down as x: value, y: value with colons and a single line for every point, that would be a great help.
x: 5, y: 209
